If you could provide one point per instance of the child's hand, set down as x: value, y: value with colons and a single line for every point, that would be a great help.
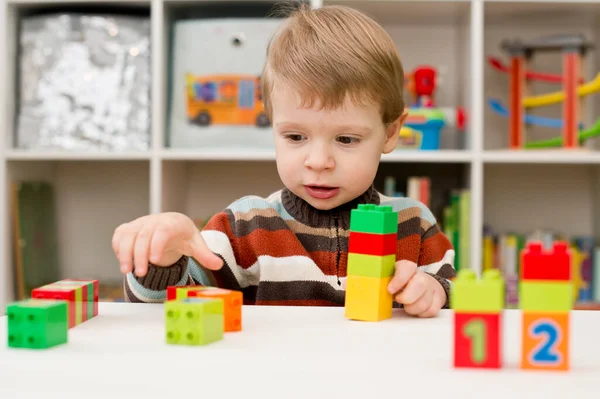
x: 421, y: 294
x: 161, y: 240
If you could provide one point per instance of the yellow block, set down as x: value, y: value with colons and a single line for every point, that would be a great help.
x: 368, y: 299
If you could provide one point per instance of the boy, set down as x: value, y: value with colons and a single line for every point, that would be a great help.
x: 332, y: 87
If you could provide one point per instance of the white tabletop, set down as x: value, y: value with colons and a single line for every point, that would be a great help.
x: 305, y: 352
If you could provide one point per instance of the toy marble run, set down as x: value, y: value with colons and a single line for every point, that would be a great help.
x: 426, y: 120
x: 573, y: 49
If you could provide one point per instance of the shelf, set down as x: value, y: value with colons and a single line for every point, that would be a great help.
x: 542, y: 156
x: 441, y: 156
x: 24, y: 155
x: 234, y: 154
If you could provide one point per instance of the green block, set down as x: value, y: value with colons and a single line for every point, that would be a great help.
x: 194, y: 321
x: 540, y: 295
x: 472, y: 295
x: 378, y: 219
x: 371, y: 265
x: 37, y: 323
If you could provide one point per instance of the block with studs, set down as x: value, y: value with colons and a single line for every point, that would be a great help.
x: 194, y: 321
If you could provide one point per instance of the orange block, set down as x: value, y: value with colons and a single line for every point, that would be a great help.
x: 545, y: 341
x: 232, y: 305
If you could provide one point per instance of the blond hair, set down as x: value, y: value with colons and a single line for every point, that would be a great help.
x: 331, y: 52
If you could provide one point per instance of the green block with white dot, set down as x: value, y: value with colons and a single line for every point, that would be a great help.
x: 194, y: 321
x: 37, y: 323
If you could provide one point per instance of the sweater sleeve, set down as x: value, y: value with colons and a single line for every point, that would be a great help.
x: 436, y: 258
x: 188, y: 271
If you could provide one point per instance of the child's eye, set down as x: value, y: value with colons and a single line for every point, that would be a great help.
x: 348, y: 140
x: 294, y: 137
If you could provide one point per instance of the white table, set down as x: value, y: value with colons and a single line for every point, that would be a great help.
x: 286, y: 353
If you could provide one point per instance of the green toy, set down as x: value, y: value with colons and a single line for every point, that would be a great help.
x: 37, y: 323
x: 194, y: 321
x: 557, y: 142
x: 483, y: 295
x: 376, y: 219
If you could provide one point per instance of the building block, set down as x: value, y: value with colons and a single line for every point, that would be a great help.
x: 194, y: 321
x: 232, y: 305
x: 540, y: 264
x: 372, y: 244
x: 90, y: 292
x: 377, y: 219
x: 37, y: 324
x: 545, y: 341
x: 81, y: 295
x: 477, y: 340
x: 545, y: 295
x: 484, y: 295
x: 180, y: 292
x: 367, y: 298
x: 371, y: 265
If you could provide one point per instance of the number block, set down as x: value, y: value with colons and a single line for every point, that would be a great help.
x: 232, y: 305
x: 194, y: 321
x: 367, y: 298
x: 37, y: 324
x: 372, y: 244
x: 477, y: 340
x: 371, y: 265
x: 540, y: 264
x: 377, y: 219
x: 545, y: 341
x: 483, y: 295
x: 81, y: 295
x: 545, y: 295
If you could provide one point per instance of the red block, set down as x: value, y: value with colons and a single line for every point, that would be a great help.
x: 540, y: 264
x: 477, y: 340
x: 39, y: 293
x: 372, y: 244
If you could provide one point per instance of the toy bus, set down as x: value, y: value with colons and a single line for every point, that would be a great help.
x: 225, y: 100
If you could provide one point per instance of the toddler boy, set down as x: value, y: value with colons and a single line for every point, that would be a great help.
x: 332, y: 86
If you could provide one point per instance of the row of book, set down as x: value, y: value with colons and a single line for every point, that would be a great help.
x: 502, y: 251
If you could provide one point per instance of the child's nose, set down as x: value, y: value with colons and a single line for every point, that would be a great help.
x: 319, y: 159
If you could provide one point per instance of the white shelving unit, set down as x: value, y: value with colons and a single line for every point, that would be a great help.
x: 516, y: 191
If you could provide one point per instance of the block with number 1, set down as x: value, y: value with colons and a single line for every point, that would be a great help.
x: 478, y: 306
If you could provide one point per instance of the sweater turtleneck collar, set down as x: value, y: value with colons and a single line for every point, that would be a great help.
x: 302, y: 211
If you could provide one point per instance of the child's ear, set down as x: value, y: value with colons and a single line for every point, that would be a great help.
x: 392, y: 132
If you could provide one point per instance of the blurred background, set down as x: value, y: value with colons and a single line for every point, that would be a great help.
x: 115, y: 109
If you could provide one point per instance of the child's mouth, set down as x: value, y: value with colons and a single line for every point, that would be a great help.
x: 321, y: 192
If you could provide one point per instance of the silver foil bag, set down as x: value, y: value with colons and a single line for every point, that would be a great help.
x: 84, y: 83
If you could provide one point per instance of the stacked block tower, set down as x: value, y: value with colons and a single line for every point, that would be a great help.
x: 43, y: 320
x: 546, y: 299
x: 478, y: 306
x: 371, y: 262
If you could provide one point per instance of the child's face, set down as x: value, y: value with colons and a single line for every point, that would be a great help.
x: 331, y: 157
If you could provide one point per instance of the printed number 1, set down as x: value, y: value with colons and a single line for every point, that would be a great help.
x: 476, y: 330
x: 546, y: 351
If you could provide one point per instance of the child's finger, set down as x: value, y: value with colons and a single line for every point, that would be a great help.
x: 421, y: 304
x: 405, y: 269
x: 126, y: 251
x: 204, y: 255
x: 158, y: 245
x: 434, y: 308
x: 141, y: 248
x: 415, y: 288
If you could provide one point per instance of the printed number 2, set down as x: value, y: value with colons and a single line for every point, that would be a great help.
x: 476, y: 330
x: 545, y: 352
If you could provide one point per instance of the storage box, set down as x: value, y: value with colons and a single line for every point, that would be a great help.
x: 84, y: 83
x: 215, y: 99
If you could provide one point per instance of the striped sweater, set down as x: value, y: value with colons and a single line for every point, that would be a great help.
x: 280, y: 250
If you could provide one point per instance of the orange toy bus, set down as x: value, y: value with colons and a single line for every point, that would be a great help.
x: 225, y: 100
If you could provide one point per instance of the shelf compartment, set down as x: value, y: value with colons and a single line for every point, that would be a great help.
x: 91, y: 198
